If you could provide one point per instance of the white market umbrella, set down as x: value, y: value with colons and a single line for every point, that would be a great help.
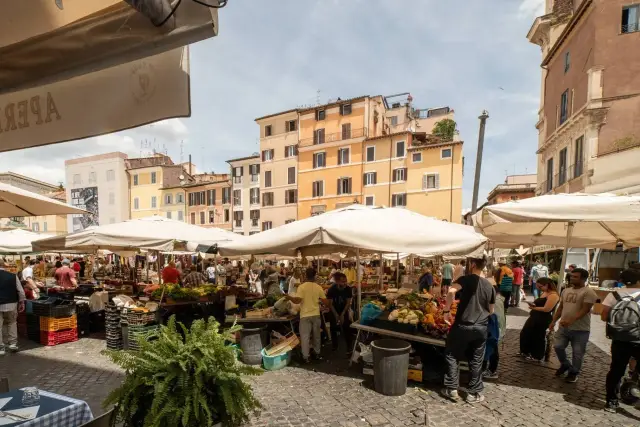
x: 569, y: 220
x: 15, y: 242
x: 152, y: 233
x: 15, y: 201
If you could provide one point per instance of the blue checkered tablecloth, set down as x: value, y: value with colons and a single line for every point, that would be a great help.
x: 73, y: 414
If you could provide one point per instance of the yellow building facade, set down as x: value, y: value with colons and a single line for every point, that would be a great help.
x: 145, y: 191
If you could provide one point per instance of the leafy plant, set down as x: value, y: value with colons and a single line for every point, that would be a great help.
x: 183, y: 378
x: 445, y: 129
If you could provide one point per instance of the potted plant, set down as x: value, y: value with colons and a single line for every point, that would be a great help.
x: 183, y: 378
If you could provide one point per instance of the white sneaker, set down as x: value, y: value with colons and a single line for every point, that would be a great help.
x: 13, y: 347
x: 2, y: 352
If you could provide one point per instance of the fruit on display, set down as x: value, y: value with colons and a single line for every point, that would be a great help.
x: 412, y: 317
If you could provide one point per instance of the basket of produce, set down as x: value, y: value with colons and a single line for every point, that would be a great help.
x: 54, y: 307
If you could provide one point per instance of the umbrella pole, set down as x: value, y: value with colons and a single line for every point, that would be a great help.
x: 564, y: 256
x: 358, y: 282
x: 381, y: 273
x: 398, y: 270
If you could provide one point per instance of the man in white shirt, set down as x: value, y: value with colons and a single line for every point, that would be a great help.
x: 211, y: 274
x: 27, y: 273
x: 12, y: 299
x: 537, y: 271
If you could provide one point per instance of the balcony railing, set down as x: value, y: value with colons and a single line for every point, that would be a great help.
x: 333, y: 137
x: 564, y: 176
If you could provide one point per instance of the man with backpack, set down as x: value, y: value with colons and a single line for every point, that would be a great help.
x: 622, y: 314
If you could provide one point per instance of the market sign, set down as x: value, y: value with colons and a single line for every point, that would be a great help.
x: 545, y: 248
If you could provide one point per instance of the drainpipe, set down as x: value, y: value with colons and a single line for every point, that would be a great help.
x: 451, y: 186
x: 390, y: 170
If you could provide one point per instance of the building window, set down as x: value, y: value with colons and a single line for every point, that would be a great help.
x: 291, y: 175
x: 564, y: 106
x: 111, y: 175
x: 343, y: 156
x: 226, y: 196
x: 562, y: 167
x: 254, y: 194
x: 35, y: 227
x: 400, y: 149
x: 267, y: 179
x: 180, y: 216
x: 78, y: 180
x: 153, y: 201
x: 431, y: 181
x: 344, y: 186
x: 201, y: 217
x: 549, y: 185
x: 567, y: 61
x: 514, y: 197
x: 321, y: 114
x: 267, y: 155
x: 290, y: 151
x: 193, y: 218
x: 291, y: 126
x: 370, y: 178
x: 266, y: 225
x: 345, y: 109
x: 227, y: 215
x: 318, y: 136
x: 211, y: 197
x: 136, y: 203
x: 168, y: 199
x: 446, y: 153
x: 112, y: 198
x: 254, y: 171
x: 254, y: 215
x: 399, y: 200
x: 319, y: 160
x: 267, y: 199
x: 168, y: 214
x: 238, y: 216
x: 578, y: 153
x: 289, y: 221
x: 416, y: 157
x: 371, y: 153
x: 290, y: 196
x: 237, y: 197
x: 212, y: 216
x: 92, y: 177
x: 631, y: 19
x: 346, y: 131
x: 393, y: 120
x: 318, y: 188
x: 237, y: 175
x: 399, y: 174
x: 369, y: 201
x: 135, y: 179
x: 179, y: 198
x: 45, y: 227
x: 153, y: 177
x: 267, y: 130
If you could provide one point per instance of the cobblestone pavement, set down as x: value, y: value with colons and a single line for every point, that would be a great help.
x: 331, y: 394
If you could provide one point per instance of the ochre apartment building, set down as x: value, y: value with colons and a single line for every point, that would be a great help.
x: 278, y: 169
x: 205, y: 199
x: 589, y: 132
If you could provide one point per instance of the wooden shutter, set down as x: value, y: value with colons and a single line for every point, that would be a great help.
x: 375, y: 177
x: 364, y: 179
x: 241, y: 170
x: 208, y: 198
x: 295, y: 149
x: 346, y: 131
x: 437, y: 180
x: 263, y: 151
x: 315, y: 161
x: 406, y: 174
x: 314, y: 189
x: 315, y: 137
x: 272, y: 153
x: 339, y: 186
x: 339, y: 156
x: 320, y: 136
x: 424, y: 182
x: 349, y: 181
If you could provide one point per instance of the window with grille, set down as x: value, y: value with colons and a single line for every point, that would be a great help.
x: 343, y: 156
x: 370, y: 178
x: 399, y: 200
x: 399, y: 174
x: 318, y: 188
x: 319, y: 160
x: 344, y: 186
x: 267, y: 199
x: 290, y: 196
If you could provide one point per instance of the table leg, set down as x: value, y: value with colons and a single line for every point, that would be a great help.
x: 355, y: 344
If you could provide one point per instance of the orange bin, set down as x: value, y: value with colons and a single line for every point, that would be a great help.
x: 53, y: 324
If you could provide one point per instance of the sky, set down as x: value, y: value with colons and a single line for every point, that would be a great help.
x: 275, y: 55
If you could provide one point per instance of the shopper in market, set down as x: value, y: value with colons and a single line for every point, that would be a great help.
x: 426, y: 280
x: 221, y: 273
x: 625, y: 344
x: 574, y: 316
x: 496, y: 330
x: 447, y: 276
x: 27, y: 273
x: 340, y: 297
x: 12, y: 299
x: 271, y: 285
x: 468, y: 335
x: 309, y: 295
x: 459, y: 271
x: 170, y: 274
x: 537, y: 271
x: 66, y: 276
x: 211, y: 274
x: 194, y: 278
x: 533, y: 333
x: 504, y: 281
x: 518, y: 280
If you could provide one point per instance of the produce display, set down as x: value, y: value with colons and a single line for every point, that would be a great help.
x: 177, y: 293
x: 269, y: 301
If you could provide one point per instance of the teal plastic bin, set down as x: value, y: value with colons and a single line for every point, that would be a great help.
x: 273, y: 363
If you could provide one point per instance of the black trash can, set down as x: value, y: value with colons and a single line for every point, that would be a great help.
x: 390, y: 366
x: 252, y: 341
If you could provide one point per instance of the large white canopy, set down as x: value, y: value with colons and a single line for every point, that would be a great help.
x: 596, y: 221
x: 153, y: 233
x: 15, y: 201
x: 358, y: 227
x: 19, y: 241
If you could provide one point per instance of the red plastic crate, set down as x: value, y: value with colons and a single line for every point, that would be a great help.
x: 59, y: 337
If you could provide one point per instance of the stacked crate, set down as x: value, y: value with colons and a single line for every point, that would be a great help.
x: 113, y: 329
x: 22, y: 325
x: 84, y: 319
x: 57, y: 320
x: 136, y: 324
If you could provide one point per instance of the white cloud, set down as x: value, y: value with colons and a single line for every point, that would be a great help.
x: 531, y: 8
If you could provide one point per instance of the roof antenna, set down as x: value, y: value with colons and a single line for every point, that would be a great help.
x: 318, y: 97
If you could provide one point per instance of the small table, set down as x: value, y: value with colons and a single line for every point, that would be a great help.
x: 240, y: 320
x: 55, y: 410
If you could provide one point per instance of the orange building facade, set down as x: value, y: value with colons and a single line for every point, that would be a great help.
x: 209, y: 202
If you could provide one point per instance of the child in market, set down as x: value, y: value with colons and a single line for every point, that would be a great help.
x: 496, y: 331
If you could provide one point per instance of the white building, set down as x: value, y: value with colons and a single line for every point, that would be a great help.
x: 98, y: 184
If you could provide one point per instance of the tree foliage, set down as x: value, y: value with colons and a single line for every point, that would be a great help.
x: 183, y: 378
x: 445, y: 129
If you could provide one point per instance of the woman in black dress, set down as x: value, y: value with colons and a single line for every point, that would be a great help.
x: 532, y: 336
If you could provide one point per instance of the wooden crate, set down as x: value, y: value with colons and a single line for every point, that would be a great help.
x: 258, y: 313
x: 289, y: 342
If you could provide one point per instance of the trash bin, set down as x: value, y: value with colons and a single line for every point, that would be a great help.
x: 390, y: 366
x: 252, y: 341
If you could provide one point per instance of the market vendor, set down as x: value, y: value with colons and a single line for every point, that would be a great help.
x: 271, y: 285
x: 340, y: 296
x: 66, y: 276
x: 221, y: 273
x: 194, y: 278
x: 468, y: 336
x: 350, y: 272
x: 170, y: 273
x: 309, y: 295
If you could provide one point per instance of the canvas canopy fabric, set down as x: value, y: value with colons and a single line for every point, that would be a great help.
x: 153, y: 233
x: 575, y: 220
x: 15, y: 201
x: 357, y: 227
x: 18, y: 241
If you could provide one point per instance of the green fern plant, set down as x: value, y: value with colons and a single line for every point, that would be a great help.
x: 183, y: 378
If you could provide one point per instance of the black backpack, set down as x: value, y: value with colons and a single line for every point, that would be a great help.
x: 623, y: 323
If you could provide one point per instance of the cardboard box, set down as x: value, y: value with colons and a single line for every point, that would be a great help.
x: 414, y: 375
